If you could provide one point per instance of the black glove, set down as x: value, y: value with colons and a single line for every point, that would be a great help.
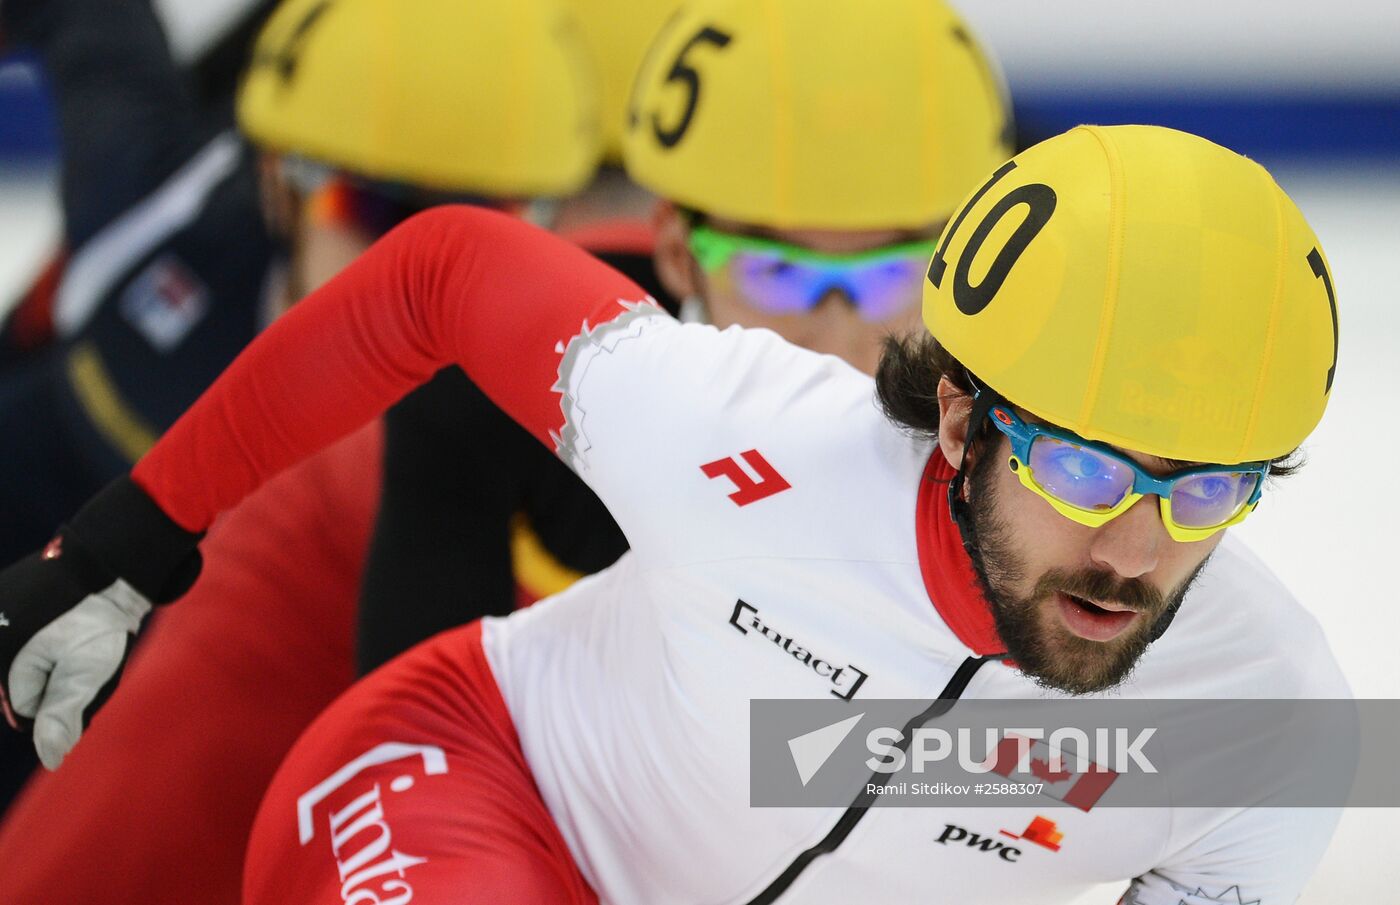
x: 66, y: 612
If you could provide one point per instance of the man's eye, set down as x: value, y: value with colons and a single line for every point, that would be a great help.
x: 1077, y: 463
x: 768, y: 268
x: 1212, y: 488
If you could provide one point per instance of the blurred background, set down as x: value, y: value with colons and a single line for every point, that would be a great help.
x: 1310, y: 90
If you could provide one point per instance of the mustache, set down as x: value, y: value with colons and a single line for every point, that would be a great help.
x: 1102, y: 586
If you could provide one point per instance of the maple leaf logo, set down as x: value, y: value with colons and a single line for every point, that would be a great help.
x: 1042, y: 770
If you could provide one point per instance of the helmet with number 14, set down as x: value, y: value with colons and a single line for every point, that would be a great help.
x: 808, y: 152
x: 368, y: 111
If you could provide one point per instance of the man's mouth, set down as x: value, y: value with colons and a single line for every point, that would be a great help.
x: 1092, y: 619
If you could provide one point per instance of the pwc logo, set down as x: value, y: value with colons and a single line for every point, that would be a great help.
x: 957, y: 834
x: 361, y: 840
x: 1042, y: 832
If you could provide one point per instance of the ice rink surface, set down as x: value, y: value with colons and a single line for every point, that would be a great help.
x: 1329, y: 531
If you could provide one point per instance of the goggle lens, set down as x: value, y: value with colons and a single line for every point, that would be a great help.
x: 879, y: 289
x: 1078, y: 475
x: 1212, y: 498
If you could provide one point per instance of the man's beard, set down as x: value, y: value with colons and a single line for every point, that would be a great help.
x: 1041, y: 646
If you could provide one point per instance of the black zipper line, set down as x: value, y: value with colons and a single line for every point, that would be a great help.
x: 857, y: 809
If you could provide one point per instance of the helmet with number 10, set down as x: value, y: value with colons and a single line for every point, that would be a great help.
x: 1145, y: 288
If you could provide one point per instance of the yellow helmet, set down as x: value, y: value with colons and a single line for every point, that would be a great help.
x: 1143, y: 287
x: 618, y: 33
x: 816, y: 113
x: 490, y: 98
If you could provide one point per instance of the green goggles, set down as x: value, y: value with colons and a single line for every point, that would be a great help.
x: 781, y: 278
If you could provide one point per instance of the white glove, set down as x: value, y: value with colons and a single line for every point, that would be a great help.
x: 58, y: 673
x: 67, y: 612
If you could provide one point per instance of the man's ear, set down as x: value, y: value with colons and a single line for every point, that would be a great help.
x: 954, y: 411
x: 281, y: 204
x: 674, y: 264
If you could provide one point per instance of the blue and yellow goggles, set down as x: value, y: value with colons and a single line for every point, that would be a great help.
x: 1092, y: 484
x: 781, y: 278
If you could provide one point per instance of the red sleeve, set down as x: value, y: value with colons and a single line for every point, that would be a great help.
x: 454, y: 285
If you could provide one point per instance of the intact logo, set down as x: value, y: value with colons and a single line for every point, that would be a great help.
x: 846, y: 680
x: 361, y: 840
x: 1042, y: 832
x: 953, y: 834
x: 763, y: 483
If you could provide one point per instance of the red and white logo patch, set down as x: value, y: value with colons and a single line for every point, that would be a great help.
x: 749, y: 488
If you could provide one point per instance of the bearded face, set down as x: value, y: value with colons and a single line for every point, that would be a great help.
x: 1075, y: 606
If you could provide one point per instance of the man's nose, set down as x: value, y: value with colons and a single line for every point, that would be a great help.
x: 834, y: 327
x: 837, y: 296
x: 1131, y: 544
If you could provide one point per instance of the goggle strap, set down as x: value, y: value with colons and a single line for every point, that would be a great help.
x: 714, y: 248
x: 982, y: 402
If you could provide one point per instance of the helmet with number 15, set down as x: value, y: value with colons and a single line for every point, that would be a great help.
x: 810, y: 150
x: 817, y: 113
